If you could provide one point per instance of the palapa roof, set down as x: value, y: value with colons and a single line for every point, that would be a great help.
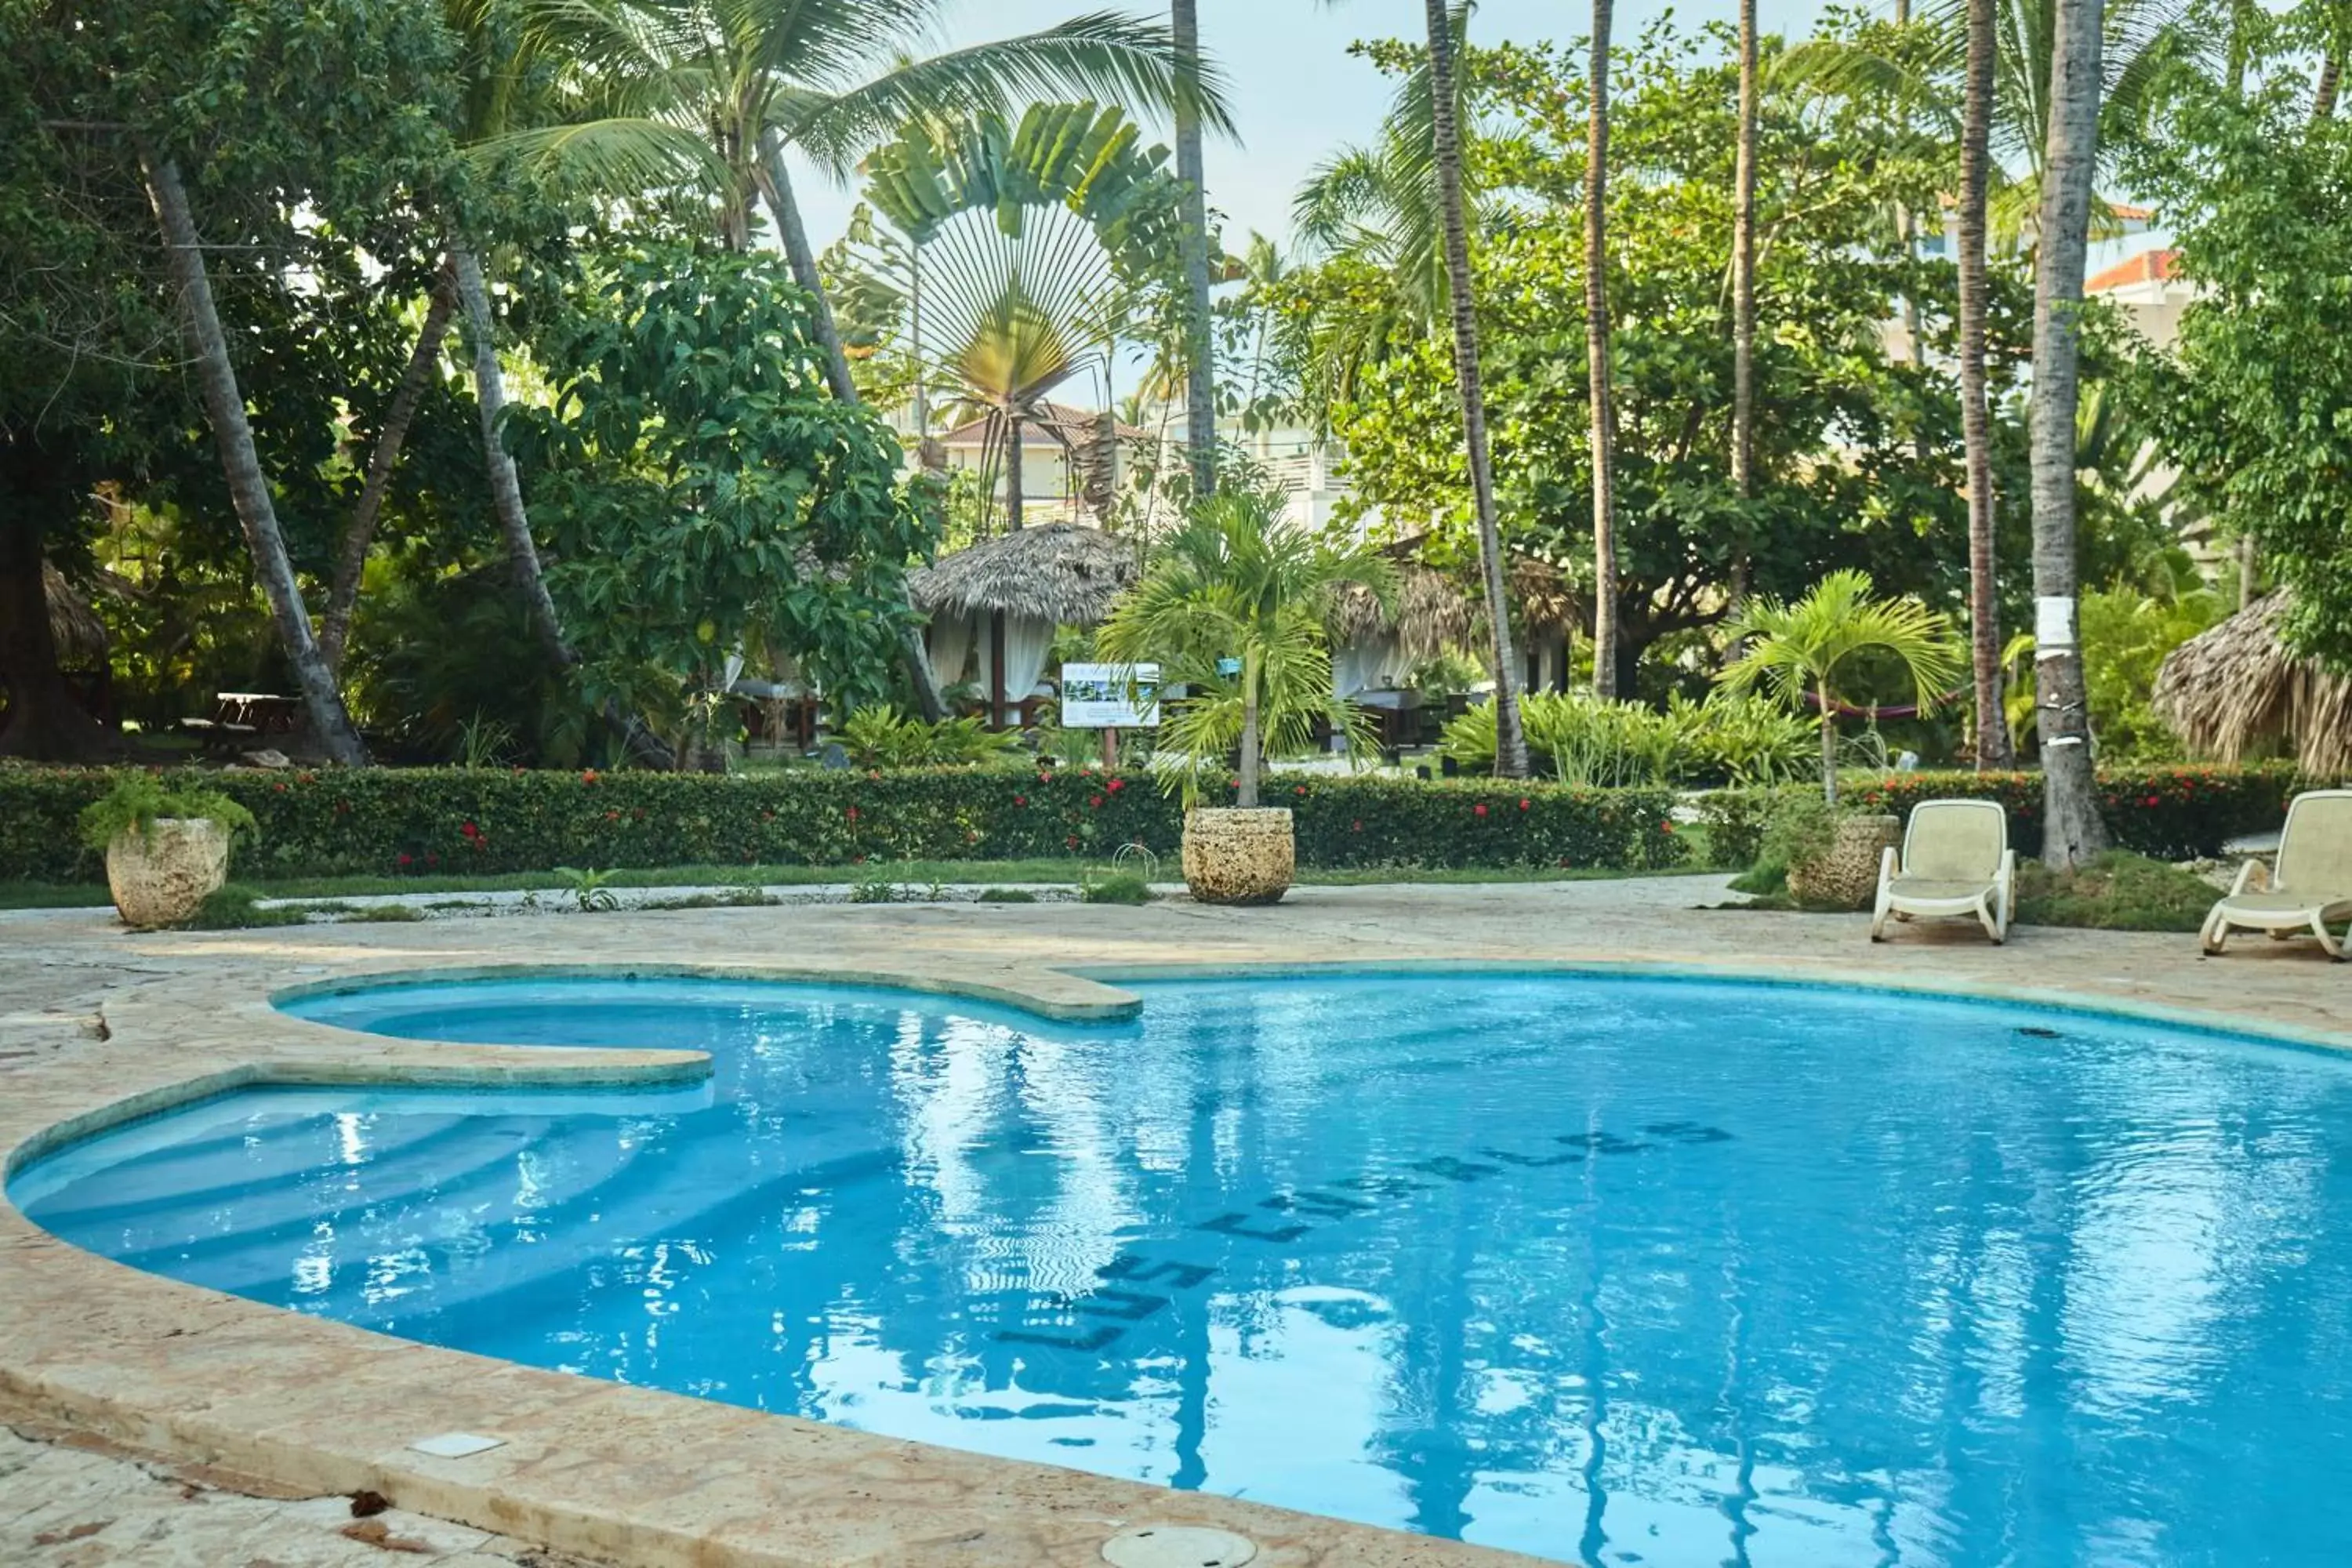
x: 1434, y: 612
x: 1057, y: 572
x: 2231, y: 690
x: 74, y: 626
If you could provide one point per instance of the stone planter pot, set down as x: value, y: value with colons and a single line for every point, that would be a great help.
x: 1846, y: 877
x: 1234, y: 855
x: 158, y: 879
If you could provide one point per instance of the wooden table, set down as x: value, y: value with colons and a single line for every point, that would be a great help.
x: 240, y: 718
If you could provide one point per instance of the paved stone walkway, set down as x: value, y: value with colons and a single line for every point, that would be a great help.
x: 68, y: 1502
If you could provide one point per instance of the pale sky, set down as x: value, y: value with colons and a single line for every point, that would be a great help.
x: 1294, y: 91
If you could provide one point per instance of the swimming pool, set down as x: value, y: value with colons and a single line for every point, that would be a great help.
x: 1624, y: 1270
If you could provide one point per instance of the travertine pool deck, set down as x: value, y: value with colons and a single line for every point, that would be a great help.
x: 96, y: 1022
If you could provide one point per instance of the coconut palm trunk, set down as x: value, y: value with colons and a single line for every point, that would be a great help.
x: 1193, y: 240
x: 1253, y: 677
x: 256, y: 514
x: 1743, y: 277
x: 776, y: 191
x: 351, y: 559
x: 1511, y: 736
x: 1596, y: 349
x: 2073, y: 831
x: 506, y: 485
x: 1976, y: 415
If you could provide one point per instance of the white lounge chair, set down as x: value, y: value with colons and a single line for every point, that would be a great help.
x: 1956, y: 860
x: 2311, y: 886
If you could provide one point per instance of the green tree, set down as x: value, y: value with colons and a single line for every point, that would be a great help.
x: 2254, y: 401
x: 703, y: 491
x: 1812, y: 647
x: 1238, y: 583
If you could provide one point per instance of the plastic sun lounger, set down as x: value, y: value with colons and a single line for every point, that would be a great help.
x: 1956, y: 860
x: 2311, y: 886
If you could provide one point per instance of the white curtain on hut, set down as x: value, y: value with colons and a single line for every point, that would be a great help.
x: 950, y: 639
x: 1366, y: 665
x: 1027, y: 644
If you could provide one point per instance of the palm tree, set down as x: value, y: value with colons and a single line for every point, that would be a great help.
x: 257, y: 513
x: 1802, y: 650
x: 1596, y: 348
x: 1445, y: 149
x: 709, y: 94
x: 1976, y: 414
x: 1193, y: 233
x: 1238, y: 583
x: 2072, y: 828
x: 1743, y: 278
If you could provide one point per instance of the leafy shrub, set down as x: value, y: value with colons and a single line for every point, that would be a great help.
x: 234, y: 907
x: 138, y: 800
x: 881, y: 738
x: 2166, y: 813
x: 1007, y: 896
x: 418, y: 822
x: 1581, y: 739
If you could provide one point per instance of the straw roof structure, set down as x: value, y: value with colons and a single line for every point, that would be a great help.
x: 1433, y: 613
x: 2233, y: 690
x: 74, y: 626
x: 1059, y: 572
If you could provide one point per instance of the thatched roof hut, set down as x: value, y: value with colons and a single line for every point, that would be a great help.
x: 2232, y: 692
x: 74, y: 626
x: 1434, y: 612
x: 1060, y: 572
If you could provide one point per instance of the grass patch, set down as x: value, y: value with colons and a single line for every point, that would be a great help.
x: 1118, y: 888
x: 2117, y: 891
x: 235, y: 907
x: 1007, y: 896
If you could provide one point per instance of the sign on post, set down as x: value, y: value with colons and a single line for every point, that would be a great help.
x: 1111, y: 696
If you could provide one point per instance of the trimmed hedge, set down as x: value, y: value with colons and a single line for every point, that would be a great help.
x: 386, y: 822
x: 2175, y: 813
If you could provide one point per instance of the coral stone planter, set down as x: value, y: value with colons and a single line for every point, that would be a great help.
x: 159, y: 878
x: 1234, y: 855
x: 1846, y: 877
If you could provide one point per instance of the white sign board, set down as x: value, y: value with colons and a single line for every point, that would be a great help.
x: 1111, y: 696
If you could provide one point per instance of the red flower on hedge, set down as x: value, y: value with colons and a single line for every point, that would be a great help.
x: 2153, y: 801
x: 1479, y: 809
x: 1523, y: 803
x: 588, y: 776
x: 612, y: 816
x: 470, y: 831
x: 1667, y: 826
x: 1300, y: 790
x: 278, y: 788
x: 853, y: 814
x: 1096, y: 801
x: 1021, y: 800
x: 1071, y: 842
x: 1114, y: 785
x: 407, y: 859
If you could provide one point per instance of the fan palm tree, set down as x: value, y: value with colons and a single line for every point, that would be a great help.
x: 2073, y: 830
x: 1239, y: 584
x: 1806, y: 649
x: 1596, y: 341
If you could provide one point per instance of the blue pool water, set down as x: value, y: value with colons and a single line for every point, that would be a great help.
x: 1624, y: 1270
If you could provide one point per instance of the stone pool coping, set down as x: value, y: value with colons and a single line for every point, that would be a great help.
x: 602, y: 1469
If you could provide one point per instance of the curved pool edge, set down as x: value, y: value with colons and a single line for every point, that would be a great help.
x: 603, y: 1470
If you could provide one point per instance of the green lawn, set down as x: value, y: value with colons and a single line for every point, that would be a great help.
x: 920, y: 873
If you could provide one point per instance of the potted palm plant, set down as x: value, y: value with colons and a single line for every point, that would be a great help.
x: 1811, y: 648
x: 166, y: 850
x: 1237, y: 610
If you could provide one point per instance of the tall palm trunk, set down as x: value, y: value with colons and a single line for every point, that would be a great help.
x: 330, y: 723
x: 1596, y: 348
x: 1743, y: 275
x: 776, y: 189
x: 1013, y: 478
x: 1510, y: 738
x: 350, y: 561
x: 1252, y: 677
x: 2072, y: 830
x: 1192, y: 241
x: 506, y: 486
x: 1976, y: 415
